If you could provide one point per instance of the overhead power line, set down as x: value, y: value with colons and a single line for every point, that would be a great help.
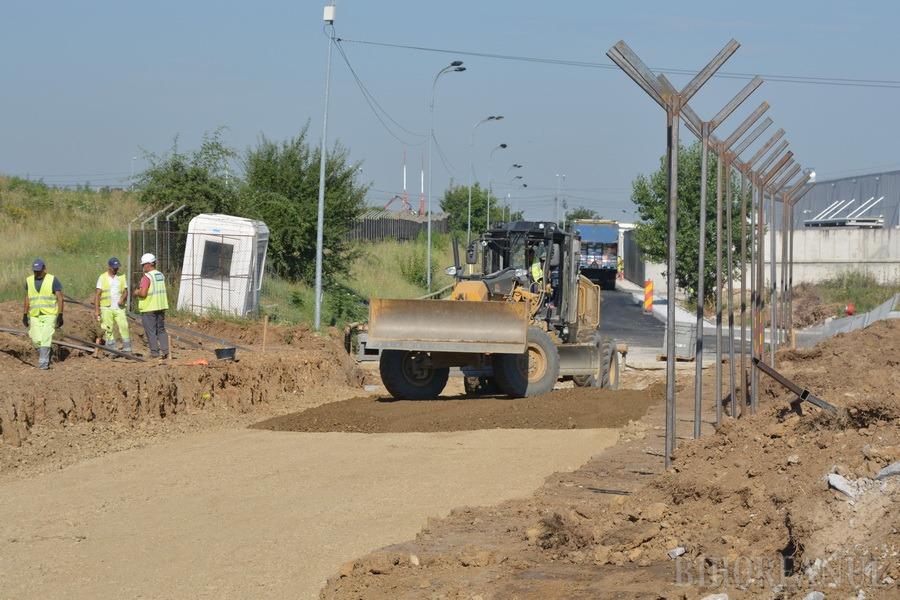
x: 804, y: 79
x: 375, y: 106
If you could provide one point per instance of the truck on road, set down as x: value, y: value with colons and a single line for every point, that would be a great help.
x: 599, y: 250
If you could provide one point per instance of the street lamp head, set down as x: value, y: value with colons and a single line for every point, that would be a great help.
x: 498, y: 118
x: 456, y: 63
x: 459, y: 69
x: 503, y: 146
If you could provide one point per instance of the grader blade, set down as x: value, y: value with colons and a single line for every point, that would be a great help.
x: 448, y: 326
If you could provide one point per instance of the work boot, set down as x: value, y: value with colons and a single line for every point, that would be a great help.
x: 43, y: 358
x: 126, y: 346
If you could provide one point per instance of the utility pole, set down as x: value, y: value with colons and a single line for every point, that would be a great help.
x: 328, y: 17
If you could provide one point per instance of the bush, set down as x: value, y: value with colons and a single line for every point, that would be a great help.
x: 413, y: 266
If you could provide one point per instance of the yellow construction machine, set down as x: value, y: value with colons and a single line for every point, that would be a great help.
x: 523, y: 320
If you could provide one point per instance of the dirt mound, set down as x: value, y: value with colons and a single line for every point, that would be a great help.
x: 751, y: 510
x: 577, y: 408
x: 810, y: 308
x: 847, y: 369
x: 88, y: 387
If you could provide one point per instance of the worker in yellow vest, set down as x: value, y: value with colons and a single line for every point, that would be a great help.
x: 110, y: 298
x: 43, y: 310
x: 536, y: 269
x: 153, y: 304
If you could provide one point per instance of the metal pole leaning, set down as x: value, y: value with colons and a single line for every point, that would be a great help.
x: 672, y: 102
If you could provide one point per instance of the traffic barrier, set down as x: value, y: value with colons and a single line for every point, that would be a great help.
x: 648, y: 296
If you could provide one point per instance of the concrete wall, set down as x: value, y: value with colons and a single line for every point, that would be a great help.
x: 820, y: 254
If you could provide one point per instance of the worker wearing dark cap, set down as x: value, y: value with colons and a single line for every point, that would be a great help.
x: 43, y: 309
x: 110, y: 298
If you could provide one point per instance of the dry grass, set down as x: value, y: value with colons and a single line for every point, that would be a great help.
x: 75, y: 232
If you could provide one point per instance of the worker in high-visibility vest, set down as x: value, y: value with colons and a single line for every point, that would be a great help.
x: 43, y: 310
x: 152, y: 304
x: 536, y: 269
x: 110, y: 298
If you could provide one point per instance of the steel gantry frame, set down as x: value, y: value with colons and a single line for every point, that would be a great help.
x: 761, y: 182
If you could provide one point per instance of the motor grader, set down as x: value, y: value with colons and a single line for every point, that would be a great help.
x: 511, y: 326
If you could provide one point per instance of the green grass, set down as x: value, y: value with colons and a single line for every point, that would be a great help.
x: 75, y: 232
x: 376, y: 272
x: 859, y: 288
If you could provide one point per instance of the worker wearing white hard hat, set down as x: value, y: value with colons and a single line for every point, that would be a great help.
x: 152, y: 304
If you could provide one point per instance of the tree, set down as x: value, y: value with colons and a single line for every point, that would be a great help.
x: 196, y: 179
x: 581, y: 213
x: 455, y: 204
x: 651, y: 232
x: 281, y: 188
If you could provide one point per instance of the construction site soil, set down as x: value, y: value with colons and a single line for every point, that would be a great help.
x: 572, y: 408
x: 747, y: 509
x: 92, y: 403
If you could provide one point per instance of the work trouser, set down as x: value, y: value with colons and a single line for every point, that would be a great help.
x: 115, y: 316
x: 154, y: 323
x: 41, y: 329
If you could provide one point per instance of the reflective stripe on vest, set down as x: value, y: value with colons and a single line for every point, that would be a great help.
x: 104, y: 288
x: 43, y: 301
x: 156, y: 294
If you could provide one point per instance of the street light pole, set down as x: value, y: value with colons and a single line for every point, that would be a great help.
x: 328, y: 17
x: 455, y: 66
x: 472, y: 172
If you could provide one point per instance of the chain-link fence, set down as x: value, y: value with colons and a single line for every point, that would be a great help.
x: 205, y: 272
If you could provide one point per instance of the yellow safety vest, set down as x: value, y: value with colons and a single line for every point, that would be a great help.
x: 105, y: 279
x: 43, y: 301
x: 537, y: 273
x: 156, y: 294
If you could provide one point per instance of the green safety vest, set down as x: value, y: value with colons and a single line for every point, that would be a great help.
x: 105, y: 279
x: 43, y: 301
x: 156, y: 294
x: 537, y: 273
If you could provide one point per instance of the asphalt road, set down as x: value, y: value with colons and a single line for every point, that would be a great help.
x: 623, y: 319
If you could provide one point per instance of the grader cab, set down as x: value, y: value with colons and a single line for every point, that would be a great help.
x: 518, y: 318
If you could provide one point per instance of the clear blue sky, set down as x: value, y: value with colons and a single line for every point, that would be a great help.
x: 86, y: 85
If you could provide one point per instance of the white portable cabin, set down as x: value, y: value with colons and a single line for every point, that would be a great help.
x: 224, y: 260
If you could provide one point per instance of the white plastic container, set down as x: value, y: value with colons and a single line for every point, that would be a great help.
x: 224, y: 262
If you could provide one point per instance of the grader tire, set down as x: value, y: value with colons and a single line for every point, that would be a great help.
x: 609, y: 369
x: 406, y: 378
x: 530, y: 374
